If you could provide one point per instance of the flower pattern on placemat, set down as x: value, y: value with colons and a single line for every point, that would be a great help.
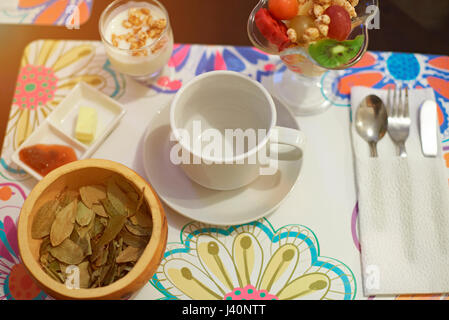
x: 46, y: 12
x: 211, y: 58
x: 15, y: 282
x: 251, y: 261
x: 49, y: 70
x: 383, y: 70
x: 239, y: 59
x: 209, y: 262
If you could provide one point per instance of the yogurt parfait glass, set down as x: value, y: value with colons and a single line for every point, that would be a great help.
x: 298, y: 79
x: 138, y: 38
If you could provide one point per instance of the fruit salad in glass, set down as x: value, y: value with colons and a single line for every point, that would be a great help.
x: 311, y: 37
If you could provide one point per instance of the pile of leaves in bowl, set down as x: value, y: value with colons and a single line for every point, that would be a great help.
x: 101, y: 229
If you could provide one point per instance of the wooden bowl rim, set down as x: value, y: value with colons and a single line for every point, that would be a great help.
x: 59, y: 289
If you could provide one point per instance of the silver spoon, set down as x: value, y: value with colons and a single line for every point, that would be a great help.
x: 371, y: 121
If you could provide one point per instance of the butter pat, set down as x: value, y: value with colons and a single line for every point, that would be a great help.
x: 86, y: 125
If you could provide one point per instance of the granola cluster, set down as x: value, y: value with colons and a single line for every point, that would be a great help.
x: 142, y: 26
x: 315, y: 9
x: 319, y: 6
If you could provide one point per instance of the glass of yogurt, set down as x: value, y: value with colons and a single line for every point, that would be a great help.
x: 138, y: 38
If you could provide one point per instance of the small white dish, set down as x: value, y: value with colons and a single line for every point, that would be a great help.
x: 59, y: 127
x: 243, y: 205
x: 83, y: 95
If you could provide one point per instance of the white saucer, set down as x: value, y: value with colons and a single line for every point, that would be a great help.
x: 243, y: 205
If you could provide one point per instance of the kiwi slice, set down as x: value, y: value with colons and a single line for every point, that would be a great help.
x: 330, y: 53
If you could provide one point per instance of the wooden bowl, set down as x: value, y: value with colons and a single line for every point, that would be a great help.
x: 73, y: 176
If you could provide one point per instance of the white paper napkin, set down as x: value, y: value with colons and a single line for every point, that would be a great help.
x: 403, y: 210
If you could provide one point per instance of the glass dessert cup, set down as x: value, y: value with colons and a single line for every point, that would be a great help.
x: 298, y: 79
x: 145, y: 63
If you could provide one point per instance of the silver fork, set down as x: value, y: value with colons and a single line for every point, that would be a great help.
x: 399, y: 119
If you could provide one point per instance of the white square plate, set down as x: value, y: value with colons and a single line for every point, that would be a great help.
x: 59, y: 127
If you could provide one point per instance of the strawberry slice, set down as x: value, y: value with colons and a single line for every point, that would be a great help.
x: 274, y: 30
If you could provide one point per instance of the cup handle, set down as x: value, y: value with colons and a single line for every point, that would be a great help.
x: 288, y: 136
x: 282, y: 135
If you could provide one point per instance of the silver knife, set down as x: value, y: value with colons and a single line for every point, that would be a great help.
x: 428, y: 124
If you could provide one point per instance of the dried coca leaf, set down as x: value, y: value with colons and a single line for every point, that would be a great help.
x: 94, y: 278
x: 45, y: 245
x: 123, y: 184
x: 119, y: 243
x: 50, y: 258
x: 97, y: 229
x: 54, y: 266
x: 43, y: 251
x: 54, y: 270
x: 112, y: 252
x: 63, y: 267
x: 86, y: 245
x: 74, y: 236
x: 43, y: 258
x: 130, y: 254
x: 92, y: 194
x: 84, y: 274
x: 142, y: 218
x: 83, y: 242
x: 121, y: 272
x: 104, y: 272
x: 99, y: 210
x: 140, y: 201
x: 82, y: 231
x: 138, y: 230
x: 97, y: 256
x: 130, y: 208
x: 43, y: 220
x: 133, y: 240
x: 52, y: 274
x: 83, y: 215
x: 128, y: 267
x: 103, y: 257
x: 67, y: 197
x: 110, y: 209
x: 117, y: 198
x: 119, y: 247
x: 64, y: 223
x: 115, y: 225
x: 104, y: 234
x: 133, y: 196
x: 68, y: 252
x: 110, y: 275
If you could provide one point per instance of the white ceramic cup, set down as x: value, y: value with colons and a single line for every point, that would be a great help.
x: 224, y: 100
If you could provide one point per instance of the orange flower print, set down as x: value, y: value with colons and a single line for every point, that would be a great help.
x: 15, y: 282
x: 56, y: 12
x: 5, y: 193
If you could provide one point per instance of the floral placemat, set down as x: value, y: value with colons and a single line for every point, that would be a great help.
x: 307, y: 249
x: 69, y: 13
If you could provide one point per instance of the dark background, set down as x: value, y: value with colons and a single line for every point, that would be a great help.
x: 405, y: 25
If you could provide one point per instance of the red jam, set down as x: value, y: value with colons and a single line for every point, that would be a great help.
x: 45, y: 158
